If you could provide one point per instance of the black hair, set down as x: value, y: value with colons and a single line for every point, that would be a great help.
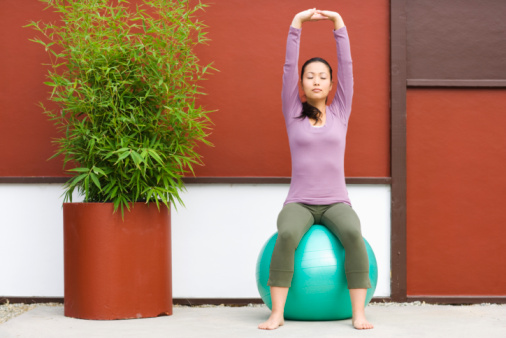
x: 309, y: 110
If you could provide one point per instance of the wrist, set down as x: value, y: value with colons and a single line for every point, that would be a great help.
x: 338, y: 21
x: 297, y: 21
x: 335, y: 17
x: 301, y: 18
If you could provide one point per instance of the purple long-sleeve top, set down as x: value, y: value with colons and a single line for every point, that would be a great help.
x: 317, y: 153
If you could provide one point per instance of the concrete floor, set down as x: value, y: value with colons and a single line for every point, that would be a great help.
x: 390, y: 320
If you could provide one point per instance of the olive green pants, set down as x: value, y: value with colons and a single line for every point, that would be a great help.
x: 294, y: 221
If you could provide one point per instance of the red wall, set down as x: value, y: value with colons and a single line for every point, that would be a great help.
x: 248, y: 45
x: 25, y: 133
x: 456, y: 145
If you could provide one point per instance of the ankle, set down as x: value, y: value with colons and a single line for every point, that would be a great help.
x: 277, y: 314
x: 358, y: 313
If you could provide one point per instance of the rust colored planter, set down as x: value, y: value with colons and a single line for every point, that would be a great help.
x: 114, y: 268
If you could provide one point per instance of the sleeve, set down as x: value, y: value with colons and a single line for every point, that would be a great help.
x: 291, y: 103
x: 341, y: 104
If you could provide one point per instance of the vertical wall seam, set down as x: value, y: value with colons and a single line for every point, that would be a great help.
x: 398, y: 149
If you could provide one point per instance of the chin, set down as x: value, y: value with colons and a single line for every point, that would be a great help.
x: 316, y: 97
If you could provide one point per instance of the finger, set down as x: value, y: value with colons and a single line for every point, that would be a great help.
x: 318, y: 17
x: 323, y: 13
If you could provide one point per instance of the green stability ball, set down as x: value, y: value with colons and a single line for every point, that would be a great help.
x: 319, y: 289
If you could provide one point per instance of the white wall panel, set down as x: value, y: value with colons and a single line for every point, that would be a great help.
x: 31, y: 240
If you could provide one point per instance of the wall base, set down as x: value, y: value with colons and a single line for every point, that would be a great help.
x: 458, y: 300
x: 441, y: 300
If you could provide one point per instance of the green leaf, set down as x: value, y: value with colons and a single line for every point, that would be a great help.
x: 81, y: 170
x: 136, y: 158
x: 77, y: 179
x: 95, y: 180
x: 114, y: 191
x: 87, y: 187
x: 123, y: 156
x: 155, y: 156
x: 97, y: 170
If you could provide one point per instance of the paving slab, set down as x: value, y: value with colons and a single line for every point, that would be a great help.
x: 390, y: 320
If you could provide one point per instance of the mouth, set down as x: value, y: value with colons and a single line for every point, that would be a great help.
x: 316, y: 90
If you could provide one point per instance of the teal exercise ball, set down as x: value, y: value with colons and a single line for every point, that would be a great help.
x: 319, y: 290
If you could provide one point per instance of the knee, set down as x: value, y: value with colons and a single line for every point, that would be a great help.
x: 352, y: 237
x: 287, y: 239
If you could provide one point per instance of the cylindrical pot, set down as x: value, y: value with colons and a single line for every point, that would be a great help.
x: 117, y: 268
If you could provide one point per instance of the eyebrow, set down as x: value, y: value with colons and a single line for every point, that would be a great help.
x: 324, y: 73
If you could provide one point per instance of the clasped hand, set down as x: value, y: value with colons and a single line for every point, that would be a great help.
x: 316, y: 15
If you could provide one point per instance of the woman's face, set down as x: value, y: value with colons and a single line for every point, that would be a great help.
x: 316, y: 82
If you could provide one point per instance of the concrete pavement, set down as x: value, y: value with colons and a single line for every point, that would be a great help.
x: 390, y: 320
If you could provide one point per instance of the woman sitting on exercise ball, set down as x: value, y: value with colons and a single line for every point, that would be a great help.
x: 318, y: 194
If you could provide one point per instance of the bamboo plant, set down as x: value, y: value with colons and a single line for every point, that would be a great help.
x: 125, y: 78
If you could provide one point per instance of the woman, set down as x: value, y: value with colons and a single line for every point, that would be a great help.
x: 318, y: 194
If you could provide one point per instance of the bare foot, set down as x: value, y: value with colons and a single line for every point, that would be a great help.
x: 357, y: 304
x: 274, y: 321
x: 361, y: 323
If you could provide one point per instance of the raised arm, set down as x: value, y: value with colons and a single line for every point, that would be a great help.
x: 290, y: 92
x: 291, y: 103
x: 344, y: 92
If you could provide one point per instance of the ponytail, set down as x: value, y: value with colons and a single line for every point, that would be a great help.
x: 311, y: 112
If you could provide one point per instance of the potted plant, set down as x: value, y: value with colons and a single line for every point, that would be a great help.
x: 125, y: 79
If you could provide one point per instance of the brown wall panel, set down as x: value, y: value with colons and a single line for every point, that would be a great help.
x: 248, y: 45
x: 455, y: 192
x: 456, y: 39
